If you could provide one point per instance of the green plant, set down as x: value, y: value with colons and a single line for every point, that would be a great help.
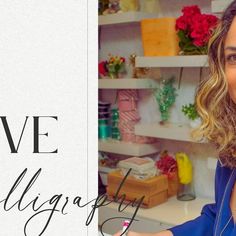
x: 115, y: 65
x: 190, y: 111
x: 165, y: 96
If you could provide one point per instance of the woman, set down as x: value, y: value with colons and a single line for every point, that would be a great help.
x: 216, y: 102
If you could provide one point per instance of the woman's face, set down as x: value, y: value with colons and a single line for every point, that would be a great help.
x: 230, y: 60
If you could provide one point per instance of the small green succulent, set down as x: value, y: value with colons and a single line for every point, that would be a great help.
x: 190, y: 111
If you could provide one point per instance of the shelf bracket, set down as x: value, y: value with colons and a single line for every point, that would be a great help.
x: 180, y: 76
x: 200, y: 75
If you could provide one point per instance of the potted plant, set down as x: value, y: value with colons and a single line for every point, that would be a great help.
x: 194, y: 30
x: 165, y: 96
x: 114, y: 67
x: 191, y: 112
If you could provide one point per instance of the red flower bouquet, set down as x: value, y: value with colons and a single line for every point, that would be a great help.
x: 167, y: 165
x: 112, y: 67
x: 194, y: 30
x: 115, y: 65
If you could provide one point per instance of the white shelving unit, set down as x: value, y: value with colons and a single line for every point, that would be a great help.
x: 124, y: 18
x: 172, y: 61
x: 159, y: 217
x: 127, y: 83
x: 126, y: 148
x: 218, y: 6
x: 167, y: 131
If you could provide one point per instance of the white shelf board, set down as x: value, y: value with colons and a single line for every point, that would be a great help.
x: 127, y: 148
x: 163, y: 213
x: 125, y: 17
x: 218, y: 6
x: 127, y: 83
x: 172, y: 61
x: 167, y: 131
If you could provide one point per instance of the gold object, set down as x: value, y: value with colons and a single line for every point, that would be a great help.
x: 129, y: 5
x: 138, y: 72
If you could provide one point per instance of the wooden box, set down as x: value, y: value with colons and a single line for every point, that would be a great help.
x: 173, y: 185
x: 159, y: 37
x: 154, y: 189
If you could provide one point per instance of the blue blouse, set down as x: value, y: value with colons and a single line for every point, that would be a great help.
x: 215, y: 219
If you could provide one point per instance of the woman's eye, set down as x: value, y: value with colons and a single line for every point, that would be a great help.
x: 231, y: 59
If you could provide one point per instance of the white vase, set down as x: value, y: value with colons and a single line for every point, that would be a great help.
x: 195, y: 123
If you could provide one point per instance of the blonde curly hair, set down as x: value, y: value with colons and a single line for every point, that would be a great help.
x: 214, y: 105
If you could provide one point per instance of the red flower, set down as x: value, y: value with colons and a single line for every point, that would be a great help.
x: 191, y: 10
x: 198, y: 42
x: 197, y: 28
x: 185, y: 21
x: 181, y: 23
x: 102, y: 69
x: 122, y: 59
x: 202, y: 28
x: 167, y: 165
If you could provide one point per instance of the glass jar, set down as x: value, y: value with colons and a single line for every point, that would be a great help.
x: 186, y: 192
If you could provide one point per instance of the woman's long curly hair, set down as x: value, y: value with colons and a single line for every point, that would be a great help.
x: 214, y: 105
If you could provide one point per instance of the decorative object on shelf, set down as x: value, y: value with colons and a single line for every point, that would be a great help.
x: 102, y: 104
x: 115, y: 132
x: 151, y: 6
x: 154, y: 189
x: 103, y: 109
x: 102, y: 6
x: 102, y: 69
x: 101, y: 185
x: 104, y: 115
x: 129, y: 5
x: 127, y: 99
x: 104, y: 129
x: 191, y: 112
x: 114, y: 67
x: 141, y: 168
x: 128, y: 113
x: 108, y: 160
x: 165, y: 96
x: 168, y: 166
x: 195, y: 123
x: 138, y: 72
x: 185, y: 173
x: 106, y: 165
x: 194, y: 30
x: 113, y: 7
x: 159, y: 37
x: 103, y: 121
